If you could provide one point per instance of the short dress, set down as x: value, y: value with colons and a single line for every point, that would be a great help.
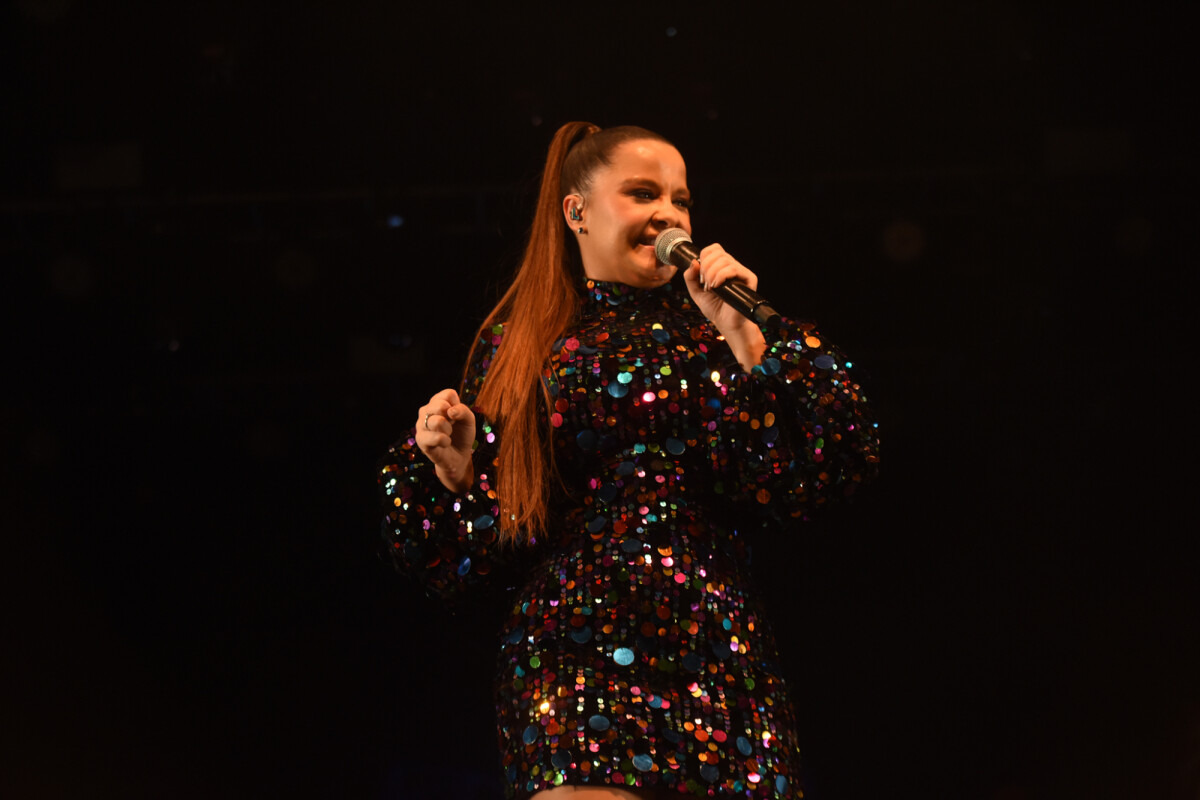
x: 635, y: 653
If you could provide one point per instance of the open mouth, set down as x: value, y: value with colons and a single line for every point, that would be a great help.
x: 647, y: 242
x: 647, y: 246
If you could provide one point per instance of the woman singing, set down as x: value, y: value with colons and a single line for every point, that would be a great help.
x: 617, y: 438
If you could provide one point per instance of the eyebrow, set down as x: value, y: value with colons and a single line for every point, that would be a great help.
x: 631, y: 182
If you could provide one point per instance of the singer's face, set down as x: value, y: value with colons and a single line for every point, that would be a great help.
x: 640, y: 194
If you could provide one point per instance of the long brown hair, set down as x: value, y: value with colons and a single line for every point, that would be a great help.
x: 537, y: 308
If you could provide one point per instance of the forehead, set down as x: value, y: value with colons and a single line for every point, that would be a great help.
x: 645, y: 158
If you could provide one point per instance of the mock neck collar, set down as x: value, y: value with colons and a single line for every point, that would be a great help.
x: 611, y: 293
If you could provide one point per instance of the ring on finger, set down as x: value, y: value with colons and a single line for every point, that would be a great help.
x: 427, y: 422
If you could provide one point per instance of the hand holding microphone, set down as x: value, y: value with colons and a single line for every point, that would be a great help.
x: 674, y: 246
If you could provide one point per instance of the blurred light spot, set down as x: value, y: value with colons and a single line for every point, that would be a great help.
x: 671, y: 31
x: 395, y: 221
x: 535, y: 120
x: 903, y: 241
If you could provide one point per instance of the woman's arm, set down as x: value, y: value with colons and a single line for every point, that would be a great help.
x: 437, y: 487
x: 798, y: 431
x: 714, y: 268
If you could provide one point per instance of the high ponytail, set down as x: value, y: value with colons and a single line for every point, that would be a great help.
x: 537, y: 308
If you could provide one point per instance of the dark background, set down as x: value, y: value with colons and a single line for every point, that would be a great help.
x: 244, y: 241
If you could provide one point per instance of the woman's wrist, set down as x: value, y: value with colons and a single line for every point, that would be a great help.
x: 748, y: 345
x: 457, y: 481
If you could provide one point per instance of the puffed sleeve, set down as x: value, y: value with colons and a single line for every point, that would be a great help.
x: 445, y: 540
x: 796, y: 431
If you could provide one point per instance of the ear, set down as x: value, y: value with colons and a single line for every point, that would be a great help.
x: 573, y: 209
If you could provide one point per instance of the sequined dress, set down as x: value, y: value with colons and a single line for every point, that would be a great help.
x: 634, y: 652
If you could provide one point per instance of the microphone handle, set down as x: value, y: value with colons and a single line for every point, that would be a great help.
x: 749, y: 303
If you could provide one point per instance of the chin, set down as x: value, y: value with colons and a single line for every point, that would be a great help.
x: 642, y: 271
x: 651, y: 271
x: 655, y: 276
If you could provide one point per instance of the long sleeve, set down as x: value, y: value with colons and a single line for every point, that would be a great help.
x: 445, y: 540
x: 795, y: 432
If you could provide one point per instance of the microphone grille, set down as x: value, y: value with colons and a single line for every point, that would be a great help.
x: 666, y: 242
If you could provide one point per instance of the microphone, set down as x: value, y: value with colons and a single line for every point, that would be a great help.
x: 674, y: 246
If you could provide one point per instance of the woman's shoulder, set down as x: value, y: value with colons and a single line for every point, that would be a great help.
x: 490, y: 334
x: 483, y: 349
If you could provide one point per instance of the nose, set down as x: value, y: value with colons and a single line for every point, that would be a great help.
x: 667, y: 215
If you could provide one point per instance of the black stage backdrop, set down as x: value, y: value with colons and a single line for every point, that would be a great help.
x: 243, y: 241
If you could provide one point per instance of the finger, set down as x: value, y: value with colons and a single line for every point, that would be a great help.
x: 436, y: 446
x: 438, y: 406
x: 433, y: 445
x: 459, y: 412
x: 712, y: 257
x: 716, y: 271
x: 712, y: 254
x: 427, y: 418
x: 440, y: 403
x: 429, y: 426
x: 449, y: 396
x: 719, y: 267
x: 440, y: 424
x: 706, y: 269
x: 733, y: 272
x: 452, y: 429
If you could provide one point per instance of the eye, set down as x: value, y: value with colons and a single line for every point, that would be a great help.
x: 642, y: 194
x: 684, y: 203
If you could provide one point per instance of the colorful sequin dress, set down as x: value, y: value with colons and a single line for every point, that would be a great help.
x: 634, y: 653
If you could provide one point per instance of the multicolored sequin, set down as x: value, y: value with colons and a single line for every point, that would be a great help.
x: 635, y: 653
